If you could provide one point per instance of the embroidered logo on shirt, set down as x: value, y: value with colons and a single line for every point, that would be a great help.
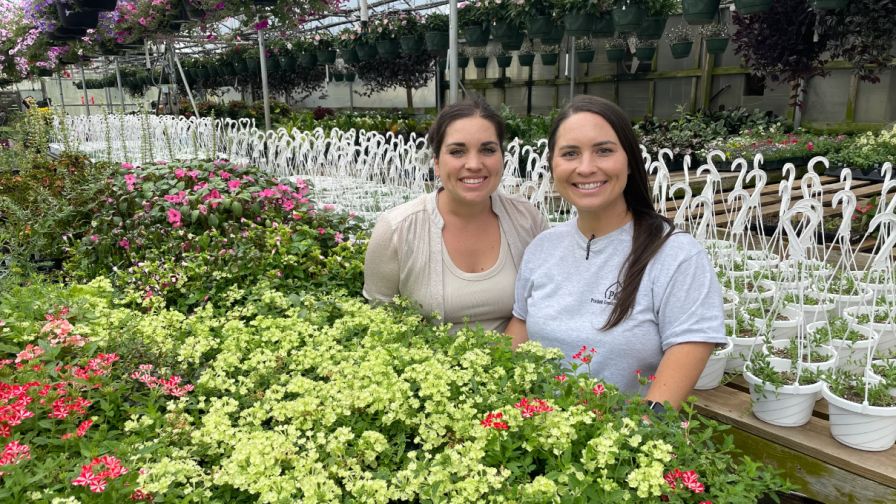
x: 609, y: 295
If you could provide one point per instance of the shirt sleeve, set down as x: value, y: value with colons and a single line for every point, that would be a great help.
x: 522, y: 289
x: 690, y: 304
x: 381, y: 263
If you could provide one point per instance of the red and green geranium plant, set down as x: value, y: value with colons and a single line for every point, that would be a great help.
x: 63, y: 408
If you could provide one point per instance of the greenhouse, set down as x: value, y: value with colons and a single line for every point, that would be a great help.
x: 384, y: 251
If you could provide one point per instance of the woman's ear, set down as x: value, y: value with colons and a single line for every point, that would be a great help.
x: 435, y: 166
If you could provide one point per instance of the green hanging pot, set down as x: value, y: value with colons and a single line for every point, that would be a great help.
x: 288, y: 63
x: 388, y: 48
x: 525, y: 60
x: 338, y: 77
x: 652, y: 28
x: 628, y: 17
x: 645, y: 53
x: 241, y: 66
x: 556, y: 36
x: 436, y: 41
x: 681, y: 49
x: 326, y: 56
x: 504, y: 61
x: 513, y: 43
x: 349, y: 55
x: 253, y: 65
x: 411, y: 44
x: 480, y: 61
x: 477, y: 35
x: 700, y: 12
x: 578, y: 24
x: 748, y: 7
x: 349, y: 76
x: 366, y: 52
x: 503, y: 30
x: 548, y: 59
x: 308, y: 59
x: 603, y: 26
x: 273, y: 64
x: 586, y: 56
x: 540, y: 26
x: 716, y: 45
x: 830, y: 4
x: 615, y: 54
x: 462, y: 61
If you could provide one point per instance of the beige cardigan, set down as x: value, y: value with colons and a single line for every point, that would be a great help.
x: 404, y: 254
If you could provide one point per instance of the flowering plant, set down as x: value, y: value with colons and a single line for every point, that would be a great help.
x: 596, y: 7
x: 386, y: 26
x: 348, y: 37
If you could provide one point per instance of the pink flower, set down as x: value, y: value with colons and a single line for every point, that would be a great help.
x: 529, y: 408
x: 174, y: 217
x: 321, y: 231
x: 561, y: 378
x: 179, y: 173
x: 492, y: 421
x: 94, y: 238
x: 127, y: 166
x: 339, y: 237
x: 599, y: 389
x: 233, y: 185
x: 124, y: 243
x: 82, y: 429
x: 810, y: 146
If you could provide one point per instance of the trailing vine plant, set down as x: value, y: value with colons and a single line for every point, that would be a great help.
x: 408, y: 71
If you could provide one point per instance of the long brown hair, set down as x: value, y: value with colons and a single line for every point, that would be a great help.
x: 461, y: 110
x: 651, y: 230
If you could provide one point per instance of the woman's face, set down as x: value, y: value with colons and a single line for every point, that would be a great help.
x: 470, y: 162
x: 590, y: 167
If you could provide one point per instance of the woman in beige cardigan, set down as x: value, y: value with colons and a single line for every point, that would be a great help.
x: 456, y: 251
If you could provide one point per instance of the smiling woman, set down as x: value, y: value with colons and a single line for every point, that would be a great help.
x: 456, y: 251
x: 612, y: 279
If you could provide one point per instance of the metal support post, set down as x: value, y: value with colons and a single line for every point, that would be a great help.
x: 183, y: 78
x: 452, y: 52
x: 120, y: 89
x: 264, y: 81
x: 84, y: 85
x: 571, y: 66
x: 61, y: 94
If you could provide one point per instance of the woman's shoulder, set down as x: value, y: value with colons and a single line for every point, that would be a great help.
x: 680, y: 246
x: 552, y: 236
x: 396, y: 216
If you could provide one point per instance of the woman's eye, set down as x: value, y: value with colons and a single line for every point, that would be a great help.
x: 568, y: 154
x: 489, y: 150
x: 456, y: 152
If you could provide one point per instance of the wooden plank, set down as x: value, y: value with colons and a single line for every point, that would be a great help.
x: 813, y: 439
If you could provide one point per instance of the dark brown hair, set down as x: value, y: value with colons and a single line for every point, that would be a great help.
x: 461, y: 110
x: 651, y: 229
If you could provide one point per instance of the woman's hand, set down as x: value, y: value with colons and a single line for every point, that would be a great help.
x: 678, y: 372
x: 516, y: 329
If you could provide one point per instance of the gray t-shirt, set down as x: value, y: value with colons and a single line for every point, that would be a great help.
x: 565, y: 300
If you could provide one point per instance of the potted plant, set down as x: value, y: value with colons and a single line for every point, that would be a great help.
x: 681, y: 41
x: 526, y: 55
x: 714, y: 371
x: 813, y: 306
x: 579, y: 15
x: 603, y: 26
x: 716, y: 37
x: 629, y: 14
x: 548, y: 54
x: 698, y: 12
x: 584, y: 50
x: 616, y: 48
x: 879, y: 319
x: 479, y: 56
x: 537, y: 15
x: 475, y: 23
x: 850, y: 340
x: 844, y: 289
x: 745, y: 338
x: 436, y: 32
x: 883, y: 371
x: 324, y: 48
x: 658, y: 12
x: 779, y: 323
x: 645, y: 49
x: 782, y: 392
x: 861, y: 415
x: 503, y: 59
x: 749, y: 7
x: 346, y: 40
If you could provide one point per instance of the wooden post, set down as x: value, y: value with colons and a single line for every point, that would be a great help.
x: 529, y: 91
x: 709, y: 61
x: 852, y: 98
x: 410, y: 98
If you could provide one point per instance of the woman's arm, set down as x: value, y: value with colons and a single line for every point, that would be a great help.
x: 678, y: 372
x: 516, y: 329
x: 381, y: 268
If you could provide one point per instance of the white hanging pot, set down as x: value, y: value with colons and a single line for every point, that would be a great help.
x: 851, y: 355
x: 786, y: 327
x: 741, y: 349
x: 860, y: 426
x: 875, y: 378
x: 811, y: 268
x: 865, y: 297
x: 886, y: 331
x: 786, y: 406
x: 824, y: 357
x: 876, y: 280
x: 765, y: 291
x: 822, y: 311
x: 760, y: 259
x: 730, y: 300
x: 712, y: 374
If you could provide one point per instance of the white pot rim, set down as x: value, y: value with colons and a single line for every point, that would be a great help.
x: 783, y: 389
x: 835, y: 400
x: 827, y: 350
x: 870, y: 334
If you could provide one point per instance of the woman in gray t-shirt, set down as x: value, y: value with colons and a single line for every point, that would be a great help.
x: 617, y: 279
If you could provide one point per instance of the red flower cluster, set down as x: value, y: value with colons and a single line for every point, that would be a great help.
x: 584, y: 354
x: 529, y: 408
x: 171, y: 386
x: 98, y: 366
x: 65, y: 406
x: 688, y: 480
x: 61, y: 329
x: 13, y: 453
x: 493, y: 420
x: 140, y: 495
x: 14, y: 401
x: 97, y: 481
x: 82, y: 429
x: 599, y: 389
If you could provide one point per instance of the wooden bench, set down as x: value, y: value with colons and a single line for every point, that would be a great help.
x: 821, y: 468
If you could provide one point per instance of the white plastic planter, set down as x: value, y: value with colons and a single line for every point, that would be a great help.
x: 741, y: 350
x: 760, y: 259
x: 843, y: 301
x: 860, y: 426
x: 786, y: 406
x: 783, y: 329
x: 766, y: 293
x: 730, y: 300
x: 886, y: 331
x: 824, y: 355
x: 821, y: 312
x: 851, y: 355
x: 812, y: 268
x: 875, y: 378
x: 712, y: 374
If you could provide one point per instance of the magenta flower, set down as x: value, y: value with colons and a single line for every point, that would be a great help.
x: 174, y: 217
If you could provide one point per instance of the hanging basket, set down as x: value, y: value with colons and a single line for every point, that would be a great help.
x: 700, y: 12
x: 480, y: 61
x: 288, y: 63
x: 411, y: 44
x: 241, y: 66
x: 349, y: 76
x: 859, y: 426
x: 96, y: 5
x: 540, y: 26
x: 578, y: 24
x: 272, y: 64
x: 556, y: 36
x: 681, y: 49
x: 525, y: 60
x: 748, y: 7
x: 308, y: 59
x: 548, y: 59
x: 70, y: 18
x: 513, y: 43
x: 502, y: 30
x: 349, y: 55
x: 326, y: 56
x: 462, y: 61
x: 388, y: 48
x: 504, y: 61
x: 338, y: 77
x: 628, y: 18
x: 476, y: 35
x: 615, y: 54
x: 603, y: 26
x: 652, y: 28
x: 436, y: 42
x: 716, y: 45
x: 830, y: 4
x: 645, y: 53
x: 586, y: 56
x: 366, y: 52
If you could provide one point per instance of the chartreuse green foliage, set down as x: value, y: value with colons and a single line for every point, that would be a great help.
x: 324, y: 398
